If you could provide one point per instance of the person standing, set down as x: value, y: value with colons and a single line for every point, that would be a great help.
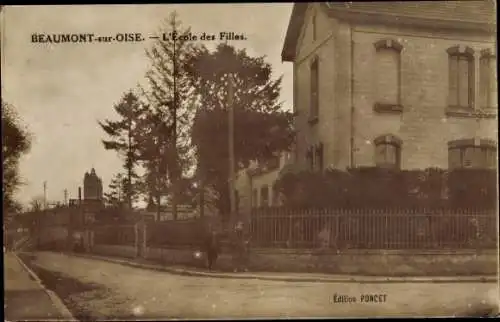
x: 212, y: 248
x: 241, y: 247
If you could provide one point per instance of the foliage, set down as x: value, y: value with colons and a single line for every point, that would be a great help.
x: 169, y: 94
x: 372, y: 187
x: 115, y: 197
x: 16, y: 141
x: 125, y: 138
x: 37, y: 204
x: 261, y: 127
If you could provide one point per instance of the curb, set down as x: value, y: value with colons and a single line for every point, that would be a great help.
x: 346, y: 279
x: 66, y: 314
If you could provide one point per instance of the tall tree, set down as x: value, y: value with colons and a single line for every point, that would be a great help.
x: 153, y: 149
x: 115, y: 196
x: 125, y: 137
x: 170, y: 97
x: 16, y: 141
x: 261, y: 126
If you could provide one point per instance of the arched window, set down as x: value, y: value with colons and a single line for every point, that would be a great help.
x: 388, y: 73
x: 388, y: 151
x: 487, y: 81
x: 461, y: 77
x: 472, y: 153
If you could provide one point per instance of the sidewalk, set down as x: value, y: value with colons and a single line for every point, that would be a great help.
x: 25, y: 297
x: 289, y: 277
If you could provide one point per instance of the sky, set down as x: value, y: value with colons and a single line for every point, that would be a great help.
x: 60, y: 91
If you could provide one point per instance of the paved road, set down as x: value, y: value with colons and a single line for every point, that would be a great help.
x: 104, y: 290
x: 24, y: 298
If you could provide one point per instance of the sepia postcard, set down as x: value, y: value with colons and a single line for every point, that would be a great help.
x: 250, y: 160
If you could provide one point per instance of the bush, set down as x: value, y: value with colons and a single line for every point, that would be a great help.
x: 372, y: 187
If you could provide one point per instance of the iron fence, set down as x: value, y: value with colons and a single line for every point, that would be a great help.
x: 374, y: 228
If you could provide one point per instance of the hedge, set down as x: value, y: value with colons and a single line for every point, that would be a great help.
x: 378, y: 187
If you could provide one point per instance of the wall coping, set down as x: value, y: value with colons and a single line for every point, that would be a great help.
x: 408, y: 252
x: 286, y: 251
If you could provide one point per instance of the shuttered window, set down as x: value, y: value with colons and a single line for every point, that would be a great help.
x: 388, y: 76
x: 461, y: 77
x: 388, y: 152
x: 314, y: 108
x: 487, y: 81
x: 468, y: 155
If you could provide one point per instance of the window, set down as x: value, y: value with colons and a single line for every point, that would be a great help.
x: 487, y: 81
x: 388, y: 82
x: 470, y: 153
x: 310, y: 158
x: 275, y: 199
x: 264, y: 196
x: 461, y: 77
x: 255, y: 201
x: 272, y: 163
x: 314, y: 108
x: 388, y: 152
x: 319, y: 156
x: 237, y: 200
x: 314, y: 27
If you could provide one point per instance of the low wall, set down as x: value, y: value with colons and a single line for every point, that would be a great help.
x: 387, y: 263
x: 115, y: 250
x: 383, y: 263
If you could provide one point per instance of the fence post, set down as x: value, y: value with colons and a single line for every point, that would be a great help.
x: 144, y: 243
x: 136, y: 239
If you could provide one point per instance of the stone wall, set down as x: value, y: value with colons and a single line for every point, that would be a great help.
x: 383, y: 263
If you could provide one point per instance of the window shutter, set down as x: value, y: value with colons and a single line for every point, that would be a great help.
x: 380, y: 154
x: 454, y: 158
x: 387, y: 76
x: 463, y: 82
x: 484, y: 82
x: 314, y: 89
x: 493, y: 85
x: 468, y: 157
x: 491, y: 158
x: 391, y: 154
x: 453, y: 85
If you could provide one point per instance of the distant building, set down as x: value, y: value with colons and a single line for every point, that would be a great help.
x: 92, y: 186
x: 255, y: 185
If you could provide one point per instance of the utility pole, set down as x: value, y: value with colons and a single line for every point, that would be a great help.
x: 44, y: 195
x: 65, y: 197
x: 231, y: 143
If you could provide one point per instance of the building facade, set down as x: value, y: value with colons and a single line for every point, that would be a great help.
x: 409, y: 85
x: 92, y: 186
x: 255, y: 186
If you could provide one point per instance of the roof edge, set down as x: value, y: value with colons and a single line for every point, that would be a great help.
x: 365, y: 17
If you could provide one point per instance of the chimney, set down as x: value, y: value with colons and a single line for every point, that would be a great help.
x: 79, y: 194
